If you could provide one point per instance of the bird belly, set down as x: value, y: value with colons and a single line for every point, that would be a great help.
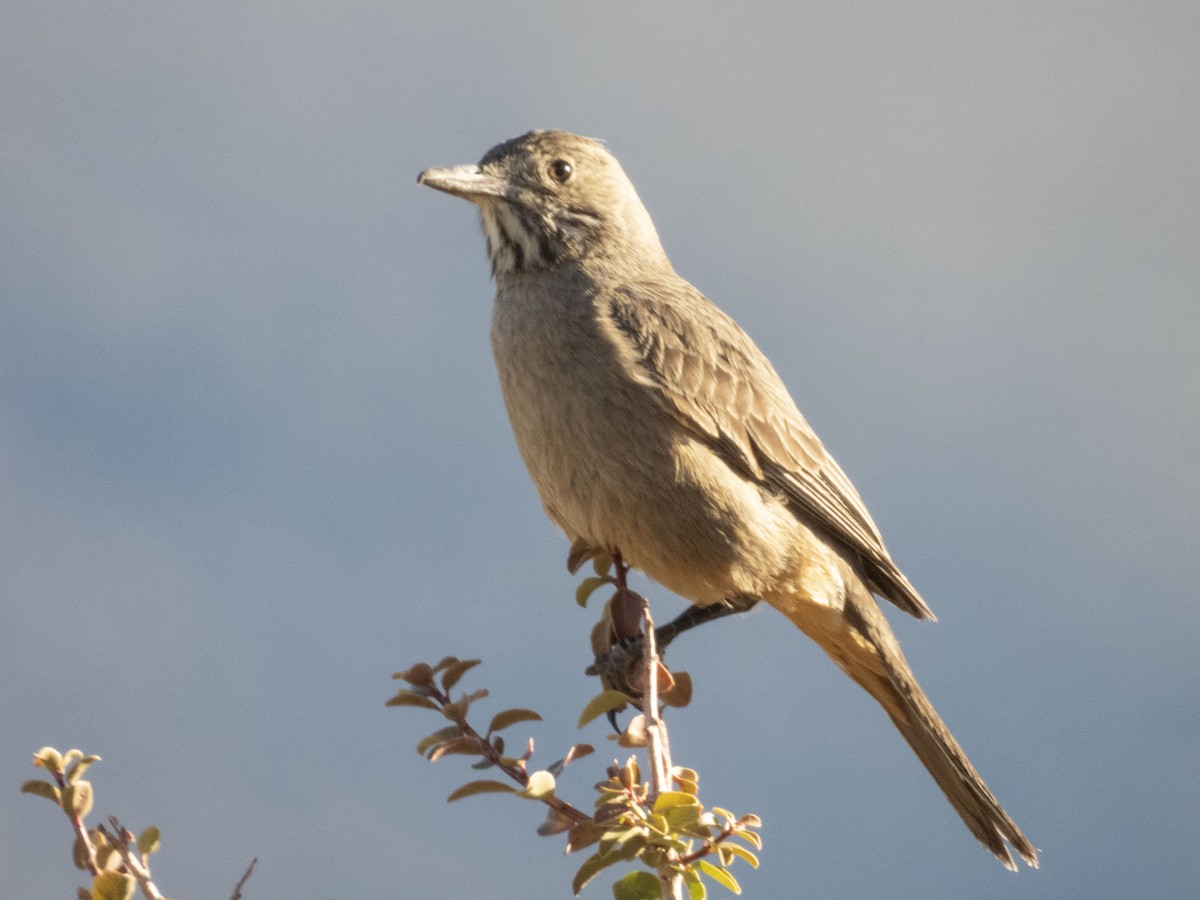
x: 627, y: 481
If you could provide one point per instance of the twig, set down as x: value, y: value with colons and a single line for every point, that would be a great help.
x: 81, y: 832
x: 657, y: 748
x: 516, y: 773
x: 658, y: 754
x: 120, y: 841
x: 237, y: 888
x: 709, y: 847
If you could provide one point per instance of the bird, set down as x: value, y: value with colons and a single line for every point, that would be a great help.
x: 654, y: 428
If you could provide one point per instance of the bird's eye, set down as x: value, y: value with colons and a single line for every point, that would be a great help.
x: 560, y: 170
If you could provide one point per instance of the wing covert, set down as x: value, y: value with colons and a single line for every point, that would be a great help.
x: 712, y: 378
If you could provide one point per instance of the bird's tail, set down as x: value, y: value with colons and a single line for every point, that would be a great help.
x: 862, y: 644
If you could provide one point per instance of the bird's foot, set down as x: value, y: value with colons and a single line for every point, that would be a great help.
x: 622, y: 667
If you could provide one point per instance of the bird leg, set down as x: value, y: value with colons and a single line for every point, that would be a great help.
x: 618, y: 666
x: 627, y: 611
x: 698, y: 615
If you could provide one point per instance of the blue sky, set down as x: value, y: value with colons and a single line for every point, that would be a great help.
x: 253, y: 457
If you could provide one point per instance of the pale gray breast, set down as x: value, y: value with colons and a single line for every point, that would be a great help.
x: 587, y: 431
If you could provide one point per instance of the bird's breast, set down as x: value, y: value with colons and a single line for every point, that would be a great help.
x: 582, y: 425
x: 612, y: 466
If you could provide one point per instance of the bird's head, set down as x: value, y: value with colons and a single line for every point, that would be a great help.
x: 548, y: 198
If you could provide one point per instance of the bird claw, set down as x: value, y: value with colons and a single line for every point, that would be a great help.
x: 621, y: 667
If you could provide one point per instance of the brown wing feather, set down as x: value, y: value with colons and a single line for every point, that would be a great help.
x: 714, y: 380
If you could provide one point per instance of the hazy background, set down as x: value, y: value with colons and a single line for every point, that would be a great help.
x: 253, y: 457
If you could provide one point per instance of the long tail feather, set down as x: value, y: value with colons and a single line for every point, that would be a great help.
x: 924, y: 730
x: 859, y: 639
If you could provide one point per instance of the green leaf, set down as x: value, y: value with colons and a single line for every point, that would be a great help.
x: 685, y: 819
x: 49, y: 759
x: 634, y: 734
x: 670, y: 799
x: 77, y: 799
x: 719, y: 875
x: 739, y: 850
x: 695, y: 887
x: 753, y: 838
x: 681, y: 810
x: 597, y: 863
x: 540, y: 785
x: 507, y: 717
x: 148, y: 841
x: 600, y: 704
x: 686, y: 780
x: 688, y: 787
x: 410, y: 698
x: 471, y: 788
x: 79, y: 855
x: 107, y: 857
x: 455, y: 671
x: 449, y: 733
x: 587, y: 587
x: 581, y: 551
x: 76, y: 769
x: 592, y: 866
x: 635, y: 836
x: 42, y: 789
x: 110, y: 885
x: 602, y: 563
x: 657, y: 823
x: 637, y: 885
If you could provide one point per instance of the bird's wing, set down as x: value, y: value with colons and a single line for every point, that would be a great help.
x: 711, y: 377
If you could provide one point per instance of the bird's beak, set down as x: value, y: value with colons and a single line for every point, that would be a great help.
x: 469, y: 182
